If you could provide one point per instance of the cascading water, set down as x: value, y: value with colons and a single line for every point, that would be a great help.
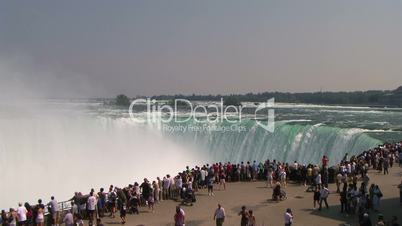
x: 57, y: 154
x: 290, y: 142
x: 59, y: 148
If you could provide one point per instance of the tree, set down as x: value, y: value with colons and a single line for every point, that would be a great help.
x: 122, y: 100
x: 231, y: 100
x: 398, y: 90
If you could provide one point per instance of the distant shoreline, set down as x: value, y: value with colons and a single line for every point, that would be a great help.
x: 369, y: 98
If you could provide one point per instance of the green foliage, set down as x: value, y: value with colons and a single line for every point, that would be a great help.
x: 172, y: 102
x: 231, y: 100
x: 366, y: 98
x: 122, y: 100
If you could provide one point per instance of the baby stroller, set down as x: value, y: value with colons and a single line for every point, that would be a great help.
x: 134, y: 204
x: 283, y: 196
x: 278, y: 194
x: 188, y: 197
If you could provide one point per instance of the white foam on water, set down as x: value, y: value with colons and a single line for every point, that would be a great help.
x: 59, y: 148
x: 56, y: 154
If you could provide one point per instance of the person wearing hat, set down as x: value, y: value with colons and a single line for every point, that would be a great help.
x: 288, y: 217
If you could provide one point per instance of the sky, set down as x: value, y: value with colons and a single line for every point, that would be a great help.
x: 102, y: 48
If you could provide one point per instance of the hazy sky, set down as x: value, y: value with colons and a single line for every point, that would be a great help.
x: 103, y: 48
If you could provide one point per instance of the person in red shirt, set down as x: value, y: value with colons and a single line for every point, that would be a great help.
x: 325, y: 161
x: 216, y: 171
x: 229, y: 172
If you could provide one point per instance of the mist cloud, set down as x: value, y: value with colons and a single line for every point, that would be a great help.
x: 21, y: 79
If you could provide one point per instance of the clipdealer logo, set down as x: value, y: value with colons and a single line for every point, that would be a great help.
x: 212, y: 113
x: 269, y: 106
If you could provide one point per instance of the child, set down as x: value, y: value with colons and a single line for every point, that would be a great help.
x: 316, y: 196
x: 251, y: 219
x: 211, y: 186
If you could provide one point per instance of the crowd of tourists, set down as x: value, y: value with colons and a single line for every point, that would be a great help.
x: 357, y: 195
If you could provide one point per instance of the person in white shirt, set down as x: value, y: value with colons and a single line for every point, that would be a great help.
x: 338, y: 182
x: 283, y: 178
x: 270, y: 177
x: 349, y: 168
x: 165, y: 189
x: 288, y: 217
x: 172, y: 186
x: 203, y: 176
x: 22, y: 214
x: 91, y: 206
x: 318, y: 180
x: 219, y: 215
x: 179, y: 184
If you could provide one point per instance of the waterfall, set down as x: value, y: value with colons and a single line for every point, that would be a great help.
x: 290, y: 142
x: 57, y: 152
x: 45, y: 155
